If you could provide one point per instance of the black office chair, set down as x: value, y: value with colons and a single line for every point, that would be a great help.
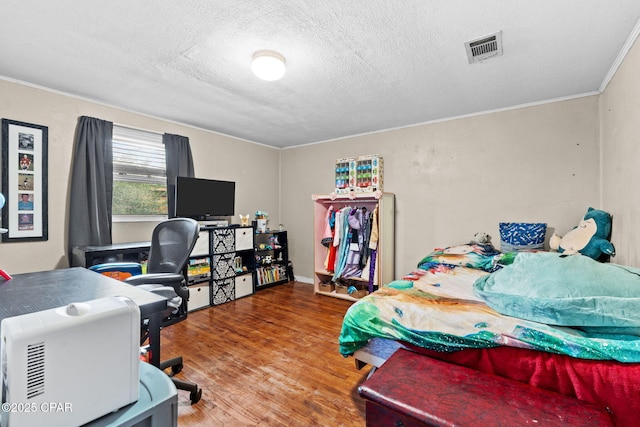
x: 171, y: 244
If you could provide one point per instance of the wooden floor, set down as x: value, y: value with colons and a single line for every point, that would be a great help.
x: 270, y: 359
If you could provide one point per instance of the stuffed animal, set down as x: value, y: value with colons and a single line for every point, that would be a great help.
x: 481, y: 239
x: 589, y: 238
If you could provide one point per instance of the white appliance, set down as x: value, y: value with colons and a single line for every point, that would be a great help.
x: 70, y: 365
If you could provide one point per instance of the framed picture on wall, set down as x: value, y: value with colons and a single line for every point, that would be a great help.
x: 24, y: 181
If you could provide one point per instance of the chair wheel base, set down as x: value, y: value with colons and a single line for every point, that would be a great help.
x: 175, y: 364
x: 195, y: 396
x: 195, y: 392
x: 176, y: 369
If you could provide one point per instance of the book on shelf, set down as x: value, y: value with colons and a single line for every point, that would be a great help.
x: 271, y: 274
x: 199, y: 267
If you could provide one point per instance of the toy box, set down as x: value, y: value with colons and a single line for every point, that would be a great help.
x: 342, y: 183
x: 326, y: 287
x: 368, y: 174
x: 362, y: 174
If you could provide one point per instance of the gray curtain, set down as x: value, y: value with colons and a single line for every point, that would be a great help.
x: 179, y: 163
x: 91, y: 184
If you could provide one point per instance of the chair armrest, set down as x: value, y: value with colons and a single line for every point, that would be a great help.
x: 165, y: 279
x: 173, y: 299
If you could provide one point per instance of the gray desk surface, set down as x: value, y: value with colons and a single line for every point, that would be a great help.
x: 32, y: 292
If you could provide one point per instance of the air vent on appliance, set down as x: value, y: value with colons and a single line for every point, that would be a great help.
x: 35, y: 370
x: 486, y: 47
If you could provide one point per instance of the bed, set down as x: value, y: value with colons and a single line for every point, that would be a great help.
x: 566, y: 324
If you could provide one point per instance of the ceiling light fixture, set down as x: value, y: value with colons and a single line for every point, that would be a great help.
x: 268, y: 65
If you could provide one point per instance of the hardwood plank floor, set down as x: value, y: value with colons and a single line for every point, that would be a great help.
x: 270, y: 359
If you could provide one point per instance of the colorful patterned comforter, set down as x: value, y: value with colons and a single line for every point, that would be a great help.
x: 439, y: 311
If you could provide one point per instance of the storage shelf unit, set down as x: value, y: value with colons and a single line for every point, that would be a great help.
x: 221, y: 266
x: 272, y: 259
x: 385, y: 257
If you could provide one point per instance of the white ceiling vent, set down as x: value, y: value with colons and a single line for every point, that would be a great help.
x: 486, y: 47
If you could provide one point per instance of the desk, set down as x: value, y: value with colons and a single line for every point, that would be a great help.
x: 86, y: 256
x: 31, y: 292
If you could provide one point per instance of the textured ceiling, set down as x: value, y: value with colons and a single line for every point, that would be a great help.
x: 353, y: 67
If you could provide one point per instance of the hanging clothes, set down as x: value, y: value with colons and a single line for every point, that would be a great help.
x: 333, y: 249
x: 366, y: 236
x: 365, y: 260
x: 372, y: 268
x: 356, y: 227
x: 342, y: 228
x: 327, y: 239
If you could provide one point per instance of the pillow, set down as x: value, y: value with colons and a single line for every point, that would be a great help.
x: 521, y: 236
x: 548, y: 287
x: 474, y: 256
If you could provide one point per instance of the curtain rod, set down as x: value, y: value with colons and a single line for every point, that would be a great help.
x: 136, y: 128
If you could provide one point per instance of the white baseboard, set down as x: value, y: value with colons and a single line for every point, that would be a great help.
x: 304, y: 279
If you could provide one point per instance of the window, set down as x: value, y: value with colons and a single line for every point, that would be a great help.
x: 139, y: 174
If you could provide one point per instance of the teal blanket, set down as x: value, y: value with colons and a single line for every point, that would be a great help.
x: 564, y: 290
x: 440, y: 311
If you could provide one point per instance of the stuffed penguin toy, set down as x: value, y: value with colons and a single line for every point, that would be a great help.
x: 589, y: 238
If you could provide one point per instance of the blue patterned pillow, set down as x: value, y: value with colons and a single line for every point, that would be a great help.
x: 521, y: 236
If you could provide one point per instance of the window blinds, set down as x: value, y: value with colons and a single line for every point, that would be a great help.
x: 138, y: 155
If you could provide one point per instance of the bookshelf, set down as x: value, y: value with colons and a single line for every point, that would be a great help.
x: 221, y: 266
x: 272, y: 258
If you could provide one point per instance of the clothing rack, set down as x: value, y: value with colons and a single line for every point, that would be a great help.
x: 383, y: 272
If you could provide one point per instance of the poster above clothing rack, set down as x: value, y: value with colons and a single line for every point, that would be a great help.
x: 362, y: 174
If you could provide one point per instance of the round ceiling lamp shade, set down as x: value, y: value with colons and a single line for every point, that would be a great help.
x: 268, y: 65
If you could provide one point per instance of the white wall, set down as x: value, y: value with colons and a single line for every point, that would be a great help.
x: 455, y: 178
x: 255, y: 169
x: 451, y: 179
x: 620, y: 115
